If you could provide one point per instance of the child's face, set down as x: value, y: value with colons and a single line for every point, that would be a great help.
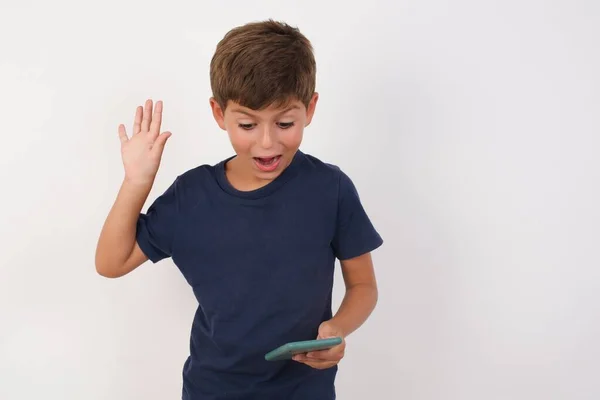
x: 265, y: 141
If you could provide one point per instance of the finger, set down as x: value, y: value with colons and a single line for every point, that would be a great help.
x: 300, y: 357
x: 319, y: 364
x: 147, y: 117
x: 159, y: 143
x: 322, y: 365
x: 333, y: 353
x: 137, y: 120
x: 319, y: 355
x: 156, y: 119
x: 303, y: 360
x: 123, y: 134
x: 325, y: 355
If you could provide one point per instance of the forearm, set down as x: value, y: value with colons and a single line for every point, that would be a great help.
x: 117, y: 238
x: 357, y: 305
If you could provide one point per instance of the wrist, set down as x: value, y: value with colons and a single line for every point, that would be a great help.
x: 139, y: 183
x: 335, y: 327
x: 135, y: 192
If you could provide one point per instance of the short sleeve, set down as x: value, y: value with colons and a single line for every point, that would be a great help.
x: 355, y: 234
x: 156, y: 228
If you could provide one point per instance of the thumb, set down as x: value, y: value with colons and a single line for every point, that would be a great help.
x: 159, y: 143
x: 327, y: 330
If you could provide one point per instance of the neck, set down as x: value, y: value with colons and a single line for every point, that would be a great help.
x: 242, y: 178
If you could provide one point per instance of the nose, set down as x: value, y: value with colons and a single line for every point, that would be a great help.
x: 266, y: 139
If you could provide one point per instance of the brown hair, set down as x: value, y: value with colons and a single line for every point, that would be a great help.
x: 261, y: 64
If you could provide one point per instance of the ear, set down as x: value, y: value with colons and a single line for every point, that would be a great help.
x: 310, y: 111
x: 218, y: 113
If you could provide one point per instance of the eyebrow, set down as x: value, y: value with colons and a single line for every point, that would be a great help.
x: 241, y: 111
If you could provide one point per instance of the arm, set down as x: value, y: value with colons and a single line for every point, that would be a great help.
x: 361, y: 294
x: 117, y: 251
x: 354, y: 240
x: 358, y: 303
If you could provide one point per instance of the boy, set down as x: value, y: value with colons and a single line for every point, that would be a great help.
x: 256, y: 235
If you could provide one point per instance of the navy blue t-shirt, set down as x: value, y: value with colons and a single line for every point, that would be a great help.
x: 261, y: 265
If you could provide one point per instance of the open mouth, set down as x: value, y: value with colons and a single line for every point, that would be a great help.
x: 267, y: 164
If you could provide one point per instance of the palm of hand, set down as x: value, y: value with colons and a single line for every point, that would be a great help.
x: 142, y: 152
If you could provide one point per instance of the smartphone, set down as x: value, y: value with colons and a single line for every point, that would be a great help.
x: 289, y: 350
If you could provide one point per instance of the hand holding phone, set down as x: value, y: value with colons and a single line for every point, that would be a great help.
x: 289, y: 350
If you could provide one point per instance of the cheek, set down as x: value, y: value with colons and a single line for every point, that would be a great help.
x: 240, y: 141
x: 292, y: 137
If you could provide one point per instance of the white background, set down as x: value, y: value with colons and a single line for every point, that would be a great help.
x: 471, y: 129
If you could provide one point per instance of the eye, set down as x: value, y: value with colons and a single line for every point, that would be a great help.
x: 285, y: 125
x: 246, y: 126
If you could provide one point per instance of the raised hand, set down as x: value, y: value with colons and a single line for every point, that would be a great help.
x: 142, y: 152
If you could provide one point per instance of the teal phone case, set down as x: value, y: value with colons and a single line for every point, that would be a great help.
x: 287, y: 351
